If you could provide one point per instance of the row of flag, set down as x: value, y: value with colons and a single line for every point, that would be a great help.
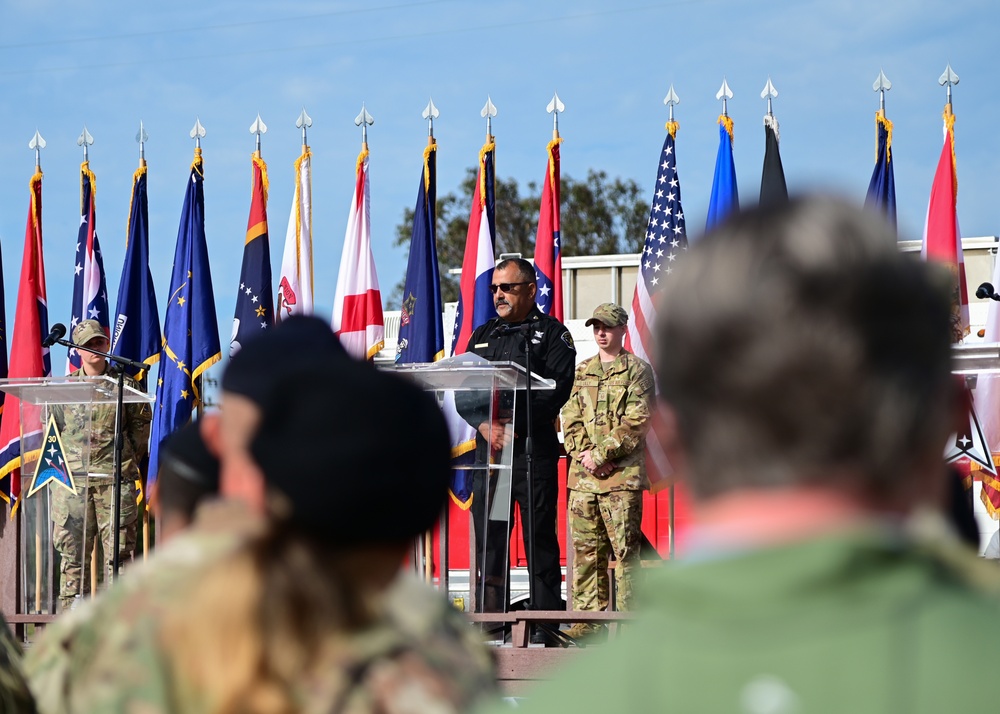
x: 189, y: 343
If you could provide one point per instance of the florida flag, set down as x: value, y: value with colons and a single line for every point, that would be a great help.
x: 90, y: 293
x: 27, y: 356
x: 548, y: 254
x: 295, y: 285
x: 357, y: 304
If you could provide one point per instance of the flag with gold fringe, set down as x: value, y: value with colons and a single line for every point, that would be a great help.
x: 90, y: 292
x: 295, y: 283
x: 548, y: 252
x: 882, y: 187
x: 725, y: 196
x: 254, y: 301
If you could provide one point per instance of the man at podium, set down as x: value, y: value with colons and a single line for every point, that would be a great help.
x: 76, y: 518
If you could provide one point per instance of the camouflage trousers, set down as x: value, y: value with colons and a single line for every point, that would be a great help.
x: 601, y: 524
x: 76, y: 520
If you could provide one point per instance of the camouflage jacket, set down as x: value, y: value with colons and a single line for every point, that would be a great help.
x: 110, y: 654
x: 72, y: 421
x: 608, y: 413
x: 14, y: 694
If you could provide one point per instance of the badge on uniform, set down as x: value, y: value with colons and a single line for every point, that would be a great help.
x: 51, y: 466
x: 568, y: 339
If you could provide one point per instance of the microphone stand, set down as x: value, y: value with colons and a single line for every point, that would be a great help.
x: 119, y: 442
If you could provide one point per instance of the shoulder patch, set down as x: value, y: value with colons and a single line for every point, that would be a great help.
x: 568, y: 339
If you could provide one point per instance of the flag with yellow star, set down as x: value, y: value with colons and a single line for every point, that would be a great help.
x: 190, y: 328
x: 254, y: 301
x: 51, y: 466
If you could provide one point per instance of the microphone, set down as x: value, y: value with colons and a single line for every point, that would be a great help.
x: 524, y: 327
x: 56, y: 334
x: 985, y: 290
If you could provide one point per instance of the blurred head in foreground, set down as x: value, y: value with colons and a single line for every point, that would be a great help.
x: 188, y: 474
x: 799, y: 348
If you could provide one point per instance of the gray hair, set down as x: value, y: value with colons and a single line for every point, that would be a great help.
x: 798, y: 345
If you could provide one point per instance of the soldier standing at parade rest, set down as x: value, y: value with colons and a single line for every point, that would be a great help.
x: 804, y: 366
x: 604, y: 428
x: 553, y: 356
x: 77, y: 517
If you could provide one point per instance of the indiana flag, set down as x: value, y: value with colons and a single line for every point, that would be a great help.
x: 254, y: 302
x: 942, y: 238
x: 27, y: 356
x: 773, y: 189
x: 421, y: 336
x: 190, y: 327
x: 882, y: 187
x: 725, y: 196
x: 357, y: 304
x: 90, y: 292
x: 137, y: 320
x: 295, y: 285
x: 548, y: 253
x: 665, y: 243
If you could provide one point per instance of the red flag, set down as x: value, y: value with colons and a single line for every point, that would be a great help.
x: 548, y: 252
x: 942, y: 239
x: 357, y: 304
x: 27, y: 356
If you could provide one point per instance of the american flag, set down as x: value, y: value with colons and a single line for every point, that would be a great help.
x: 666, y: 239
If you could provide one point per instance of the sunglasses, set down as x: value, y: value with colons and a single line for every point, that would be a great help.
x: 504, y: 287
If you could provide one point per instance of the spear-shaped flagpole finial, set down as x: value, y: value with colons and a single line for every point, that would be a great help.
x: 725, y: 94
x: 882, y: 85
x: 364, y: 120
x: 85, y: 140
x: 142, y: 137
x: 671, y: 100
x: 430, y: 113
x: 258, y: 127
x: 769, y: 93
x: 554, y: 107
x: 489, y: 111
x: 948, y: 79
x: 37, y: 143
x: 304, y: 122
x: 197, y: 133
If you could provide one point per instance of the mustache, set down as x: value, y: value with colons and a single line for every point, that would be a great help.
x: 501, y: 301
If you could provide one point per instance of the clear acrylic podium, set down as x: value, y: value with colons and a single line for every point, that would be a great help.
x: 468, y: 378
x: 55, y: 469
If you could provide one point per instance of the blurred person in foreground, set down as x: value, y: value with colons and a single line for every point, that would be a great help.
x: 804, y: 367
x: 15, y: 697
x: 60, y: 660
x: 300, y: 606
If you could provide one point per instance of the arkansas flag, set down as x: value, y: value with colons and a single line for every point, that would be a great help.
x: 548, y: 253
x: 942, y: 239
x: 27, y: 356
x: 357, y: 304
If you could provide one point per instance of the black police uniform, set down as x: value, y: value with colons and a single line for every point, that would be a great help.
x: 553, y: 356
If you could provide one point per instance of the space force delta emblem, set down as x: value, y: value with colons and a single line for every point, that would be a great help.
x: 51, y: 465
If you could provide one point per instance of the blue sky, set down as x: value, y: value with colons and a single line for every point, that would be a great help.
x: 110, y: 64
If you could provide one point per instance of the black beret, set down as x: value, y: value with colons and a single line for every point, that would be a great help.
x: 364, y: 456
x: 298, y: 345
x: 189, y: 458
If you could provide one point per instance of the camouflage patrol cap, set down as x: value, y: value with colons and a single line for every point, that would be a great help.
x: 362, y: 455
x: 609, y: 314
x: 87, y: 330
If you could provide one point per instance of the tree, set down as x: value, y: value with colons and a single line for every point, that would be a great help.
x: 597, y: 217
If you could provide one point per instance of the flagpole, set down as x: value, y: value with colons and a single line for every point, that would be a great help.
x: 947, y: 79
x: 258, y: 128
x: 725, y: 94
x: 882, y: 85
x: 364, y: 120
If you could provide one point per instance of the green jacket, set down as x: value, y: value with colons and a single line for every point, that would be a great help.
x: 862, y: 621
x: 74, y: 428
x: 608, y: 413
x: 14, y: 694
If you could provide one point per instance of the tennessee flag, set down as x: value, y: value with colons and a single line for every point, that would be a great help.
x: 548, y: 253
x: 357, y: 304
x: 90, y: 293
x: 295, y: 285
x: 942, y: 239
x: 27, y: 356
x: 254, y: 301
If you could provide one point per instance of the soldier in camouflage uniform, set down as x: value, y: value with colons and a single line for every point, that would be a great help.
x: 604, y: 427
x: 76, y: 519
x: 15, y: 697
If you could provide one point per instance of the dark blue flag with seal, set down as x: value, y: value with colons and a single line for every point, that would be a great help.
x: 882, y: 187
x: 136, y: 332
x: 421, y: 335
x: 190, y: 328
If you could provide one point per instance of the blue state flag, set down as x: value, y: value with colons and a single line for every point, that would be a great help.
x: 254, y: 300
x: 882, y: 187
x: 725, y: 197
x: 136, y: 334
x: 190, y: 328
x: 421, y: 336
